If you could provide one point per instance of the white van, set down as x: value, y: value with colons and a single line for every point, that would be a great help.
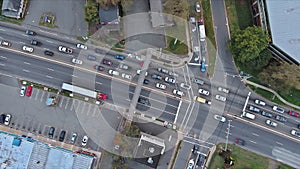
x: 250, y: 116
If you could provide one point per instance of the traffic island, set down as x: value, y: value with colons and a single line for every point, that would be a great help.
x: 48, y: 20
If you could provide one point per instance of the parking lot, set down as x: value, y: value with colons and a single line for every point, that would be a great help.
x: 30, y: 114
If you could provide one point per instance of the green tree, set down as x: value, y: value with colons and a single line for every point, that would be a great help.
x: 177, y: 7
x: 91, y: 13
x: 246, y: 45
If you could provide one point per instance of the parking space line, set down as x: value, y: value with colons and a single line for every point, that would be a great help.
x: 61, y: 101
x: 38, y: 91
x: 88, y: 110
x: 68, y: 100
x: 72, y: 105
x: 42, y: 96
x: 79, y: 106
x: 95, y: 111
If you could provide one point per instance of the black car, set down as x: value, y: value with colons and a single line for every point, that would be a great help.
x: 266, y: 114
x: 155, y: 76
x: 281, y: 118
x: 201, y: 160
x: 51, y: 132
x: 146, y: 81
x: 62, y: 136
x: 35, y: 42
x: 143, y: 100
x: 30, y: 32
x: 195, y: 149
x: 2, y: 118
x: 49, y: 53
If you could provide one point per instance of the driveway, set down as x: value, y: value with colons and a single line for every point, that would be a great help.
x: 69, y: 15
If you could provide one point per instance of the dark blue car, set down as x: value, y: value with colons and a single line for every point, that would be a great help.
x: 120, y: 57
x: 203, y: 68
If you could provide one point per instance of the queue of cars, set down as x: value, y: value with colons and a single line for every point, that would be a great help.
x: 62, y: 135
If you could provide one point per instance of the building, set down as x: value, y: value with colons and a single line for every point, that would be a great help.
x: 24, y: 152
x: 149, y: 150
x: 280, y: 20
x: 13, y: 8
x: 157, y: 18
x: 109, y: 17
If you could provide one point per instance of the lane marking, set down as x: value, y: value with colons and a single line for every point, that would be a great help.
x: 50, y: 69
x: 49, y: 41
x: 279, y: 143
x: 25, y: 70
x: 5, y: 75
x: 252, y: 141
x: 50, y: 77
x: 255, y: 134
x: 68, y: 101
x: 99, y: 83
x: 27, y: 63
x: 42, y: 96
x: 3, y: 57
x: 2, y: 64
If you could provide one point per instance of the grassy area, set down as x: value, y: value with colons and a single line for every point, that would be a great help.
x: 239, y: 14
x: 209, y: 27
x: 243, y: 159
x: 176, y: 153
x: 266, y: 94
x: 51, y: 19
x: 180, y: 48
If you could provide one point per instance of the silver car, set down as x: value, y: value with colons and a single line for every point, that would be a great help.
x: 77, y: 61
x: 161, y: 86
x: 220, y: 98
x: 271, y: 123
x: 27, y: 49
x: 202, y: 91
x: 73, y: 138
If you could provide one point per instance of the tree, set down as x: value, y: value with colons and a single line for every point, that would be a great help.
x: 246, y: 45
x: 177, y: 7
x: 91, y: 13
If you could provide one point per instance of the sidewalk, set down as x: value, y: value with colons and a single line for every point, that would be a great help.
x: 272, y: 91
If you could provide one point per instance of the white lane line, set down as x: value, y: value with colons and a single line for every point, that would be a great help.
x: 170, y: 137
x: 252, y: 141
x: 2, y: 64
x: 68, y: 101
x: 61, y: 102
x: 95, y: 111
x: 254, y: 134
x: 89, y: 109
x: 3, y: 30
x: 38, y: 91
x: 49, y: 41
x: 279, y: 143
x: 42, y: 96
x: 74, y: 76
x: 99, y: 83
x: 25, y: 70
x: 21, y: 43
x: 50, y: 69
x: 5, y: 75
x: 27, y: 63
x: 50, y: 77
x: 3, y: 57
x: 72, y: 105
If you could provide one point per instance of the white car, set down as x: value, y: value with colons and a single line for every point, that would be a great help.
x: 5, y: 43
x: 84, y: 140
x: 223, y: 90
x: 221, y: 98
x: 27, y: 49
x: 170, y: 80
x: 81, y: 46
x: 22, y: 91
x: 7, y: 119
x: 140, y: 71
x: 220, y: 118
x: 278, y: 109
x: 161, y: 86
x: 198, y: 9
x: 259, y: 102
x: 205, y: 92
x: 126, y: 76
x: 178, y: 92
x: 77, y: 61
x: 271, y: 123
x: 185, y: 86
x: 295, y: 133
x: 113, y: 72
x: 65, y: 49
x: 191, y: 164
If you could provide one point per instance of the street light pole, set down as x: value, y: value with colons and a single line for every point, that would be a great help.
x: 228, y: 132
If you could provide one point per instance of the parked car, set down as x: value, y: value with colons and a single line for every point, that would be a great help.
x: 266, y: 114
x: 107, y: 62
x: 161, y: 86
x: 195, y: 149
x: 198, y: 81
x: 65, y: 49
x: 271, y: 123
x: 143, y: 100
x: 278, y: 109
x: 123, y: 66
x: 178, y: 92
x: 99, y: 68
x: 280, y: 118
x: 30, y: 32
x: 35, y: 42
x: 155, y: 76
x: 28, y: 91
x: 202, y: 67
x: 221, y: 89
x: 240, y: 141
x: 113, y: 72
x: 191, y: 164
x: 91, y: 57
x: 204, y: 92
x: 48, y: 52
x: 293, y: 113
x: 140, y: 71
x: 220, y: 98
x: 185, y: 86
x: 22, y: 91
x: 81, y: 46
x: 220, y: 118
x: 259, y: 102
x: 77, y: 61
x: 146, y: 81
x: 62, y: 136
x: 126, y: 76
x: 295, y: 133
x: 2, y: 118
x: 198, y: 8
x: 7, y: 119
x: 5, y: 43
x: 84, y: 140
x: 51, y: 132
x: 27, y: 49
x: 254, y: 109
x: 120, y: 57
x: 162, y: 70
x: 170, y: 80
x: 73, y: 138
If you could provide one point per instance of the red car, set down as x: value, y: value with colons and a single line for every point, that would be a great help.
x: 102, y: 96
x: 28, y: 91
x: 107, y: 62
x: 293, y: 113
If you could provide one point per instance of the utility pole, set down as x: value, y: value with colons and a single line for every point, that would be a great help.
x: 228, y: 132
